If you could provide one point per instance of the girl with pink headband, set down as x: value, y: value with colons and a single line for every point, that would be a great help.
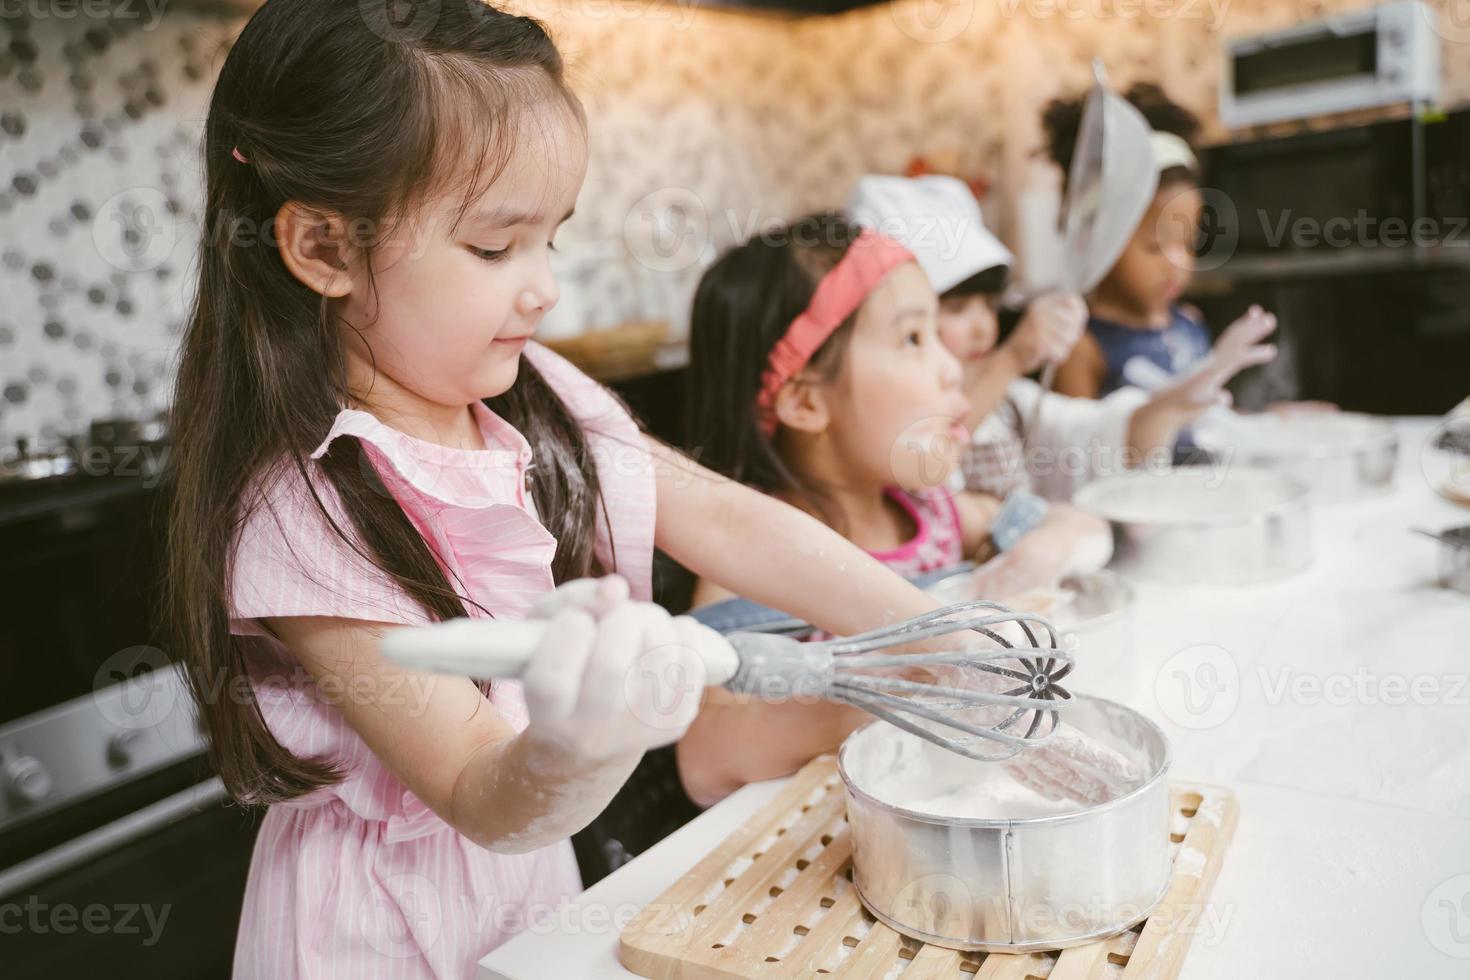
x: 818, y: 376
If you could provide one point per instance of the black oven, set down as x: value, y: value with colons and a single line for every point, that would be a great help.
x: 1358, y: 238
x: 119, y: 854
x: 1347, y: 189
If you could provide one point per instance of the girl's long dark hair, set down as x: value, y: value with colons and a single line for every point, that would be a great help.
x: 744, y: 304
x: 366, y: 118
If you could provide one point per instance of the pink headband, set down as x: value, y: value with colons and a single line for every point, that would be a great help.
x: 841, y: 291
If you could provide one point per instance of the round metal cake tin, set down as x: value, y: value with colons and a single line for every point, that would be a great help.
x: 1338, y: 456
x: 1205, y: 525
x: 1020, y: 884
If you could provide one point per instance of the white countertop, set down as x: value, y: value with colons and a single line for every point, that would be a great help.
x: 1336, y: 704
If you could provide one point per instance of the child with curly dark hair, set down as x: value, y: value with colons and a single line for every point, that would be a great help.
x: 1135, y: 311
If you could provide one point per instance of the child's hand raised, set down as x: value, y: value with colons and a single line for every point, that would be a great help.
x: 611, y: 677
x: 1178, y: 403
x: 1047, y: 333
x: 1238, y: 348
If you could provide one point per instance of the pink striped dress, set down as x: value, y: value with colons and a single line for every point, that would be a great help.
x: 360, y: 879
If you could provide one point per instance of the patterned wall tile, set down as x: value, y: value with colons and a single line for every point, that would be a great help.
x: 703, y: 125
x: 98, y: 210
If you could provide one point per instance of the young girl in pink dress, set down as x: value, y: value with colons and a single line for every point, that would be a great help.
x: 365, y: 437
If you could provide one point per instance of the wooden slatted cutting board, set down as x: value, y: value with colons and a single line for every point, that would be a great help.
x: 775, y: 900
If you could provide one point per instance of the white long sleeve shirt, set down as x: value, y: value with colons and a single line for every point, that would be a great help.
x: 1075, y: 441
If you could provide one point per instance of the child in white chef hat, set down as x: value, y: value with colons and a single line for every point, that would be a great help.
x: 1073, y: 439
x: 939, y: 220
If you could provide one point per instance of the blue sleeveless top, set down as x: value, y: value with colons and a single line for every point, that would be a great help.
x: 1176, y: 348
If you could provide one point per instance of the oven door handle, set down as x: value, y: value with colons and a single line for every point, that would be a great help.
x: 108, y: 837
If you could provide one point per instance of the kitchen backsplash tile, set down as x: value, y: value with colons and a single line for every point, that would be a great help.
x: 704, y: 126
x: 98, y: 202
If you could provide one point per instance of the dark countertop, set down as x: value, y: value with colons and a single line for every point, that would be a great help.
x: 58, y: 496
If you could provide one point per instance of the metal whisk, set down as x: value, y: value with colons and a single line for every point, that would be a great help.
x: 962, y: 709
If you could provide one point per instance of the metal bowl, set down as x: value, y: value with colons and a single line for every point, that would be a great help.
x: 1202, y: 525
x: 1338, y: 456
x: 1020, y: 884
x: 1097, y: 625
x: 1454, y: 557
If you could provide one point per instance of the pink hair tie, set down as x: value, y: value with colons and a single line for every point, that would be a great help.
x: 841, y: 291
x: 235, y: 152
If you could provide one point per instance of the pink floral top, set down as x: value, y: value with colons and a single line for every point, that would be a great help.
x: 360, y: 878
x: 938, y: 540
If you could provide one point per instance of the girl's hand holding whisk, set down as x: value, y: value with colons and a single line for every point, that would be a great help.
x: 612, y: 677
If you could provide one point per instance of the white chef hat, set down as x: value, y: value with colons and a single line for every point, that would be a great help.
x: 1172, y: 150
x: 937, y: 218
